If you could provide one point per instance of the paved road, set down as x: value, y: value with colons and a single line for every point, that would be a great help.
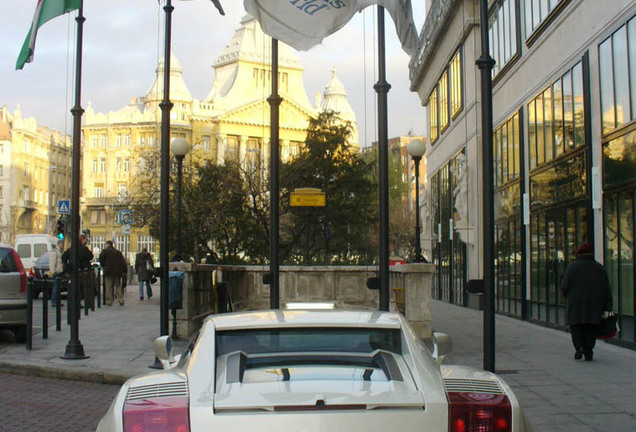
x: 33, y: 404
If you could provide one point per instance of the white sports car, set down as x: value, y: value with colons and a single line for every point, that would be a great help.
x: 312, y: 371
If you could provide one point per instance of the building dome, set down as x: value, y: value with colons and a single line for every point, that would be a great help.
x: 335, y: 99
x: 178, y: 90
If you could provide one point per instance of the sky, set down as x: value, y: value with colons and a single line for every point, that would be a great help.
x: 123, y: 43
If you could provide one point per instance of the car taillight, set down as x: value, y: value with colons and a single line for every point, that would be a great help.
x: 165, y: 414
x: 23, y: 275
x: 479, y: 412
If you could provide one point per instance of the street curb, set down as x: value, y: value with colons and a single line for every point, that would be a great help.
x: 100, y: 377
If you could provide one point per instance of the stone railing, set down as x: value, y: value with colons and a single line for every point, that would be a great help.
x: 345, y: 286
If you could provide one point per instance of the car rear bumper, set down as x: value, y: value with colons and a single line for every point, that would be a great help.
x: 12, y: 312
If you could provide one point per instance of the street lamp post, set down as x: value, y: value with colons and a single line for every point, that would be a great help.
x: 416, y: 148
x: 179, y: 148
x: 52, y: 168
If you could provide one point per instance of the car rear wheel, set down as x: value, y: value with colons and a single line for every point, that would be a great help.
x: 20, y: 334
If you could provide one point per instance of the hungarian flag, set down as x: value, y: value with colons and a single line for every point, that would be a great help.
x: 305, y: 23
x: 46, y: 10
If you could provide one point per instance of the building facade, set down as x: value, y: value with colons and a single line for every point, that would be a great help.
x: 35, y: 173
x: 564, y: 121
x: 230, y: 123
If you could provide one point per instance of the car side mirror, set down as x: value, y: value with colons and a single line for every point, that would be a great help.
x: 163, y: 351
x: 442, y: 346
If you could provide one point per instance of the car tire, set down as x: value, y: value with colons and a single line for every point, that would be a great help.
x: 20, y: 334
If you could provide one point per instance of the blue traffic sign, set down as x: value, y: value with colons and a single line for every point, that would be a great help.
x: 126, y: 217
x: 63, y: 206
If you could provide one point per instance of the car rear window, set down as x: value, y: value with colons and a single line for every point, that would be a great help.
x: 24, y: 251
x: 301, y: 340
x: 7, y: 263
x: 39, y: 249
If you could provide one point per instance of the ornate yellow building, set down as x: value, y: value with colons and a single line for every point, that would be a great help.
x: 35, y: 172
x: 232, y: 122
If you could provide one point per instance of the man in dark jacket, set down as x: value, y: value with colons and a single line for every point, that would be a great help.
x: 84, y: 257
x: 145, y: 272
x: 587, y: 295
x: 114, y: 266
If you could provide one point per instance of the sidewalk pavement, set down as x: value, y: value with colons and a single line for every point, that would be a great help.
x: 557, y: 393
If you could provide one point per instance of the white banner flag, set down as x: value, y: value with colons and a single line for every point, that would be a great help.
x: 303, y: 24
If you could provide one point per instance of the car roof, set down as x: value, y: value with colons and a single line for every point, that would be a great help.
x: 4, y: 245
x: 306, y: 318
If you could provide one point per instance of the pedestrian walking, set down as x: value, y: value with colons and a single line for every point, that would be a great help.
x: 56, y: 268
x: 145, y: 269
x: 587, y: 295
x: 115, y: 268
x: 84, y: 257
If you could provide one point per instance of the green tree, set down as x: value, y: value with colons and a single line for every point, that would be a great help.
x: 342, y: 231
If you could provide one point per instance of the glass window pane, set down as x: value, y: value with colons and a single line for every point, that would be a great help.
x: 528, y: 12
x: 631, y: 31
x: 607, y: 85
x: 611, y: 242
x: 534, y: 263
x: 504, y: 153
x: 536, y: 14
x: 517, y: 145
x: 557, y: 110
x: 567, y: 111
x: 544, y: 9
x: 503, y: 54
x: 532, y: 135
x: 456, y: 84
x: 432, y: 113
x: 549, y: 137
x: 579, y: 114
x: 512, y: 26
x: 621, y: 76
x: 581, y: 220
x: 540, y: 131
x: 626, y: 212
x: 443, y: 101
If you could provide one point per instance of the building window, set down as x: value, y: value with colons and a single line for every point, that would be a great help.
x: 118, y: 165
x: 122, y: 243
x: 432, y: 113
x: 146, y: 242
x: 127, y: 140
x: 98, y: 217
x: 126, y: 165
x: 102, y: 165
x: 122, y: 190
x: 231, y: 151
x: 98, y: 192
x: 27, y: 146
x: 26, y: 193
x: 1, y: 193
x: 103, y: 141
x: 142, y: 141
x: 151, y: 141
x: 206, y: 142
x: 556, y: 120
x: 1, y: 170
x: 538, y: 11
x: 98, y: 243
x: 118, y: 140
x: 445, y: 101
x: 617, y: 64
x: 94, y: 142
x: 502, y: 32
x: 94, y: 165
x: 506, y: 151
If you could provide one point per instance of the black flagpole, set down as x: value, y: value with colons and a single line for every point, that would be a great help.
x: 485, y: 64
x: 74, y: 348
x: 382, y: 88
x: 274, y: 187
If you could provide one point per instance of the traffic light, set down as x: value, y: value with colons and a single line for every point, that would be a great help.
x: 60, y: 227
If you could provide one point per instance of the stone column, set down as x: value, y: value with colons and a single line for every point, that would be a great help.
x: 242, y: 150
x: 221, y: 144
x: 418, y: 281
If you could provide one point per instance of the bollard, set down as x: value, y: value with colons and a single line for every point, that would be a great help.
x: 58, y: 303
x: 102, y: 278
x: 85, y: 287
x: 45, y: 312
x: 93, y: 290
x: 29, y: 317
x: 98, y: 284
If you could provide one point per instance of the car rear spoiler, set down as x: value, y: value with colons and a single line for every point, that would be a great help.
x: 238, y: 362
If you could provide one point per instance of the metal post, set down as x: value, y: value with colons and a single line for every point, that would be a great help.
x: 74, y: 348
x: 58, y: 303
x: 485, y: 64
x: 165, y: 106
x: 179, y: 225
x: 382, y: 88
x: 29, y: 315
x: 274, y: 101
x: 45, y: 313
x: 418, y: 247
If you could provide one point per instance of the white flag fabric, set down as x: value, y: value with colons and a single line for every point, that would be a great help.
x: 303, y: 24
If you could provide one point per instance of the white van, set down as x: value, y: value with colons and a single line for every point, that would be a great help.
x: 30, y: 246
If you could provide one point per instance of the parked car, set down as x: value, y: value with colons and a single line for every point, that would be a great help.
x: 42, y: 277
x: 13, y: 284
x: 329, y: 370
x: 31, y: 246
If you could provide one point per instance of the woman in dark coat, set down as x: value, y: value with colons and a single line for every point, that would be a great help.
x: 587, y: 295
x: 145, y: 271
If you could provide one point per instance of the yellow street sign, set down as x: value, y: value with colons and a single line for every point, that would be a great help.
x: 307, y: 197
